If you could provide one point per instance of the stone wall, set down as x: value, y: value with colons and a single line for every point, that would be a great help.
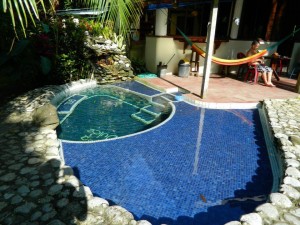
x: 109, y: 61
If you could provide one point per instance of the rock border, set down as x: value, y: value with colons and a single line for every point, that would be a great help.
x: 283, y: 117
x: 33, y: 159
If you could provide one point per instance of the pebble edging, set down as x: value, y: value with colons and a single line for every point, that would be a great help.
x: 36, y: 187
x: 283, y: 117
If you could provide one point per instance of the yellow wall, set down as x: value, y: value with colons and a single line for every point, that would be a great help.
x: 161, y: 49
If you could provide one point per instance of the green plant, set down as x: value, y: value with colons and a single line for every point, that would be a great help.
x: 138, y: 66
x: 70, y: 53
x: 66, y: 65
x: 25, y: 63
x: 94, y: 27
x: 67, y: 4
x: 119, y: 40
x: 21, y: 68
x: 22, y: 9
x: 121, y: 14
x: 107, y: 32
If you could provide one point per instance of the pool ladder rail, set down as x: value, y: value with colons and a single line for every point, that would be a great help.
x: 146, y: 115
x: 149, y: 113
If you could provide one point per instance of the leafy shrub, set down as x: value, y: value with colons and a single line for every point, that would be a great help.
x: 138, y: 66
x: 70, y: 53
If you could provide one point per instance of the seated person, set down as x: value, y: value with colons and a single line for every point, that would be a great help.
x: 266, y: 72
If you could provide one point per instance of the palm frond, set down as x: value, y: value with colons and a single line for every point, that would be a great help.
x: 19, y: 15
x: 34, y: 7
x: 4, y: 5
x: 11, y: 13
x: 23, y: 11
x: 22, y: 8
x: 29, y: 12
x: 121, y: 12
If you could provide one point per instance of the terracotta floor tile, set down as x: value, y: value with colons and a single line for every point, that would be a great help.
x: 226, y: 89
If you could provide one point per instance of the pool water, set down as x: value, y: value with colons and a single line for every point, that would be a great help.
x: 105, y: 113
x: 201, y: 167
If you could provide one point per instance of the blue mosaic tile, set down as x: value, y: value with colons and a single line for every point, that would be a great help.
x: 176, y: 174
x: 69, y: 104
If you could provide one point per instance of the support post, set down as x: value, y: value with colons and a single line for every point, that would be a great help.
x: 209, y: 47
x: 236, y: 19
x: 298, y: 84
x: 161, y: 25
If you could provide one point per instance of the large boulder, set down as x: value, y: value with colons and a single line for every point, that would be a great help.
x: 46, y: 116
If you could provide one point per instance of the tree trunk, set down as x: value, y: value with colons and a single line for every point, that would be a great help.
x: 277, y: 23
x: 271, y: 20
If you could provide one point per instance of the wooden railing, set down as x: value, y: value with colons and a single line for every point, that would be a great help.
x: 197, y: 39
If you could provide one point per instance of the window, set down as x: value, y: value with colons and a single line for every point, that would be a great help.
x: 193, y: 19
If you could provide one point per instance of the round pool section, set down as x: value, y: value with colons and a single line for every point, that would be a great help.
x: 106, y: 112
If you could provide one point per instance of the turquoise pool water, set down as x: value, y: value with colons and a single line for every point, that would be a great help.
x: 107, y: 112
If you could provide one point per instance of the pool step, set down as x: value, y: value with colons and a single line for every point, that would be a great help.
x: 143, y: 117
x: 153, y: 110
x: 68, y: 105
x: 161, y: 100
x: 65, y: 108
x: 147, y: 114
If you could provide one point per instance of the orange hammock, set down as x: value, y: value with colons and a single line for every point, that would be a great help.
x: 230, y: 62
x: 234, y: 62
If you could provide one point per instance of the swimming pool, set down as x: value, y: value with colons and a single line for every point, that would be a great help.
x: 202, y: 166
x: 107, y: 112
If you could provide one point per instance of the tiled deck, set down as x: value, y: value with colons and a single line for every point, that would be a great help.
x: 226, y: 89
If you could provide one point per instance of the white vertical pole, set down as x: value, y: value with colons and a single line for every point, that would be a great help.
x: 209, y: 47
x: 161, y: 19
x: 236, y: 19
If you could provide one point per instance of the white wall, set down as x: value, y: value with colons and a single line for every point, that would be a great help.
x: 295, y: 57
x: 161, y: 49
